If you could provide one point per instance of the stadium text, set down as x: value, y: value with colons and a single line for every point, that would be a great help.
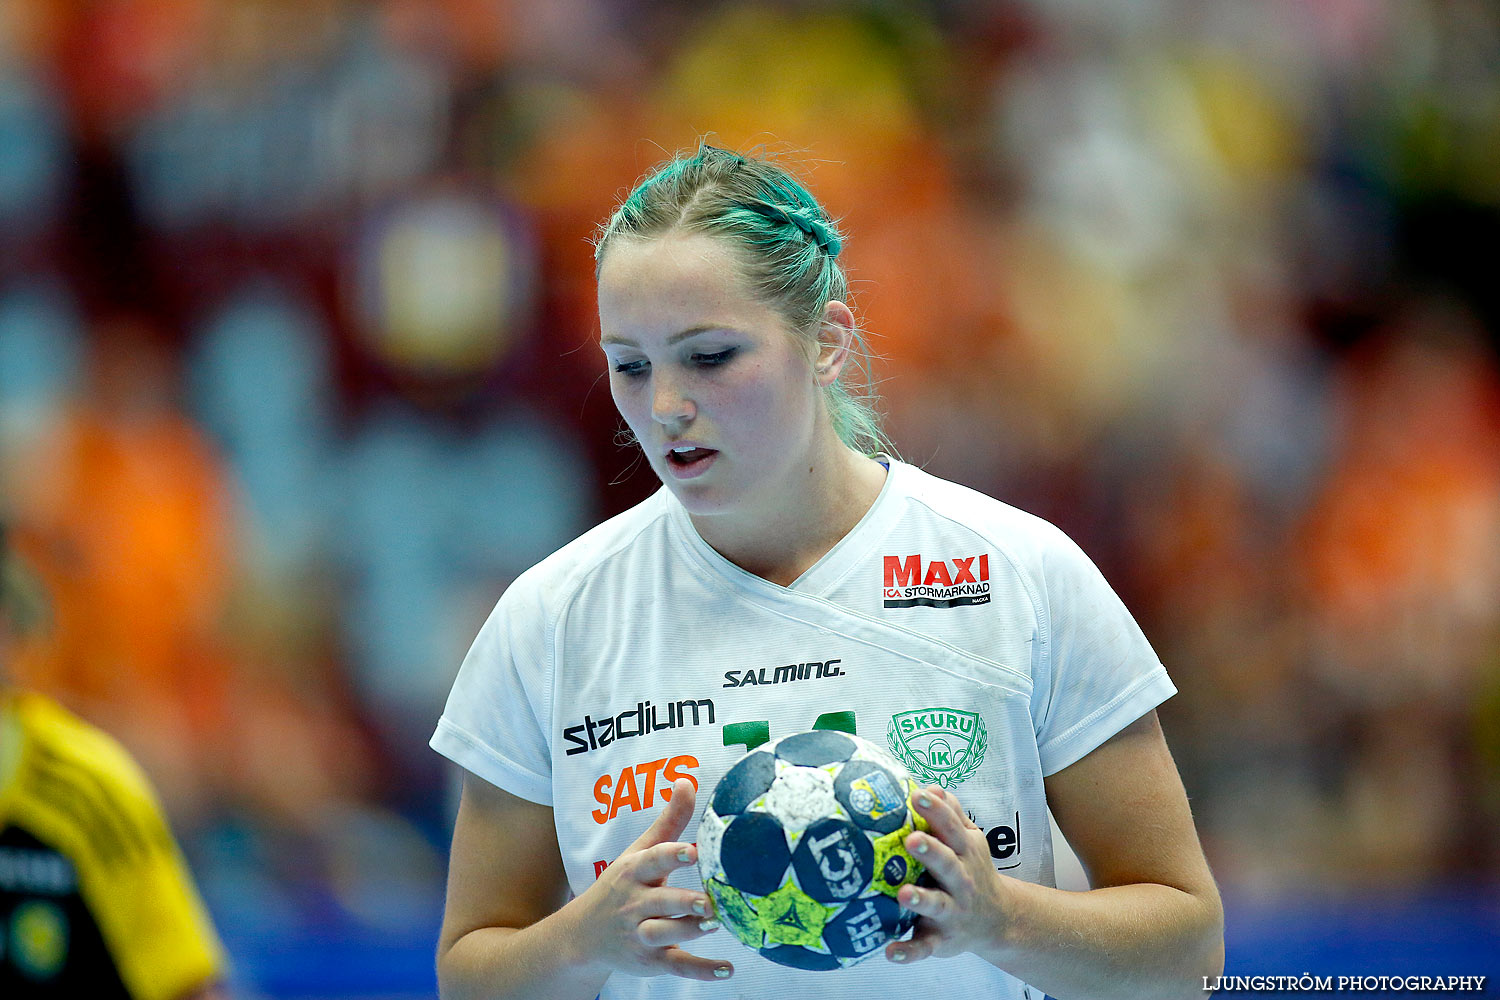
x: 642, y: 720
x: 624, y: 791
x: 784, y: 673
x: 1344, y: 984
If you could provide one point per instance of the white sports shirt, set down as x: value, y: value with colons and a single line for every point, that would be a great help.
x: 975, y: 640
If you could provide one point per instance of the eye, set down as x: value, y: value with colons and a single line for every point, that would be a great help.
x: 710, y: 360
x: 631, y: 367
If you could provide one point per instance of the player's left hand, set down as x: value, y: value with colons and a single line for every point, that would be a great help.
x: 965, y: 911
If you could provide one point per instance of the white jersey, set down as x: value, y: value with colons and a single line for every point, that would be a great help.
x: 974, y: 640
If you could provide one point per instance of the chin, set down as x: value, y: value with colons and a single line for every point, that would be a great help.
x: 703, y: 498
x: 701, y: 501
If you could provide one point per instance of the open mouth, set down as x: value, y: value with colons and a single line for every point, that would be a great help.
x: 690, y: 462
x: 688, y: 457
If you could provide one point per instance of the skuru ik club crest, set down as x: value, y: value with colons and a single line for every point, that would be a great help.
x: 942, y: 746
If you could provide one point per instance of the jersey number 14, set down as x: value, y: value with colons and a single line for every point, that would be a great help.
x: 752, y: 734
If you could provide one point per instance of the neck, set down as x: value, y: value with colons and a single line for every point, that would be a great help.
x: 832, y: 494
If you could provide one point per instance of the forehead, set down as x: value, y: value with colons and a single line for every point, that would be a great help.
x: 679, y: 281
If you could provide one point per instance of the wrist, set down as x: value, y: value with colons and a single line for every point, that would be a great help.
x: 1012, y: 896
x: 567, y: 929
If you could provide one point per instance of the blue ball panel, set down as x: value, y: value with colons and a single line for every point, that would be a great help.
x: 894, y: 872
x: 874, y: 797
x: 905, y: 922
x: 746, y: 781
x: 834, y: 861
x: 801, y: 958
x: 815, y: 748
x: 864, y: 926
x: 754, y: 854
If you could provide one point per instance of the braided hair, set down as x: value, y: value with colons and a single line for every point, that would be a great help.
x: 788, y: 241
x: 819, y: 230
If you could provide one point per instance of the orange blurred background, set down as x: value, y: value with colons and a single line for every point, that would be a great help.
x: 298, y: 370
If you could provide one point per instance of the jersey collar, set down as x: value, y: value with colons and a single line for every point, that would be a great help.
x: 820, y: 578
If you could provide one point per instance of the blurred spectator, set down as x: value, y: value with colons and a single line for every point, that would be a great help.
x: 1403, y: 545
x: 435, y: 524
x: 262, y: 383
x: 40, y: 366
x: 95, y: 899
x: 34, y: 162
x: 130, y: 505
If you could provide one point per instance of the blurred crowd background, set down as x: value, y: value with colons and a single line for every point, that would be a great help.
x: 298, y: 369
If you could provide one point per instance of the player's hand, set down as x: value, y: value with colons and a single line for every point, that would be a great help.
x: 635, y: 920
x: 965, y: 911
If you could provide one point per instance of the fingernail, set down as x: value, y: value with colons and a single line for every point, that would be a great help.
x: 683, y: 855
x: 924, y: 802
x: 699, y: 907
x: 723, y: 972
x: 916, y: 897
x: 708, y: 925
x: 921, y: 847
x: 898, y: 956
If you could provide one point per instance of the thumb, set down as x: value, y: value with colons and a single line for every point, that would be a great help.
x: 673, y: 819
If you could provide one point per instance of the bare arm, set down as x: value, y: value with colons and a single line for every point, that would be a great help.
x: 1151, y: 928
x: 506, y: 875
x: 507, y: 931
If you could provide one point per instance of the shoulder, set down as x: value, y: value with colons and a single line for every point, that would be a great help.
x: 1028, y: 542
x: 74, y: 769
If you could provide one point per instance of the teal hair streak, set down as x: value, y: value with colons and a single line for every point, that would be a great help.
x: 789, y: 243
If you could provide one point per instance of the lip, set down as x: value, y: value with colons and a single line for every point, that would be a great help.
x: 694, y: 469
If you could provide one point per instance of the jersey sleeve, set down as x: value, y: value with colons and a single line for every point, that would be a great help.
x: 497, y: 720
x: 138, y: 888
x: 1095, y: 672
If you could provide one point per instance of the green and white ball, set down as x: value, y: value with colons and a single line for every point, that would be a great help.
x: 801, y: 848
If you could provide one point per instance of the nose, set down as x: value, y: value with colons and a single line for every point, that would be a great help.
x: 669, y: 404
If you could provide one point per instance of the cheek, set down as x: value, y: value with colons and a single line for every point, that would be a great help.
x: 627, y: 398
x: 631, y: 403
x: 773, y: 402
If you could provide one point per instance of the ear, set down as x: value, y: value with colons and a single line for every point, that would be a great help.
x: 835, y: 338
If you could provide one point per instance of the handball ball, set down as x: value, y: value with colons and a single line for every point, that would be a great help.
x: 801, y: 848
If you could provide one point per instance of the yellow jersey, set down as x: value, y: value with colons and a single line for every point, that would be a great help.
x: 95, y: 899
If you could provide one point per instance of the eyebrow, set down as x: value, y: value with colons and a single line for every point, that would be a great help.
x: 673, y: 339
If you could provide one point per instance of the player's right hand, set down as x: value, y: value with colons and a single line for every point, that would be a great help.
x: 635, y: 920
